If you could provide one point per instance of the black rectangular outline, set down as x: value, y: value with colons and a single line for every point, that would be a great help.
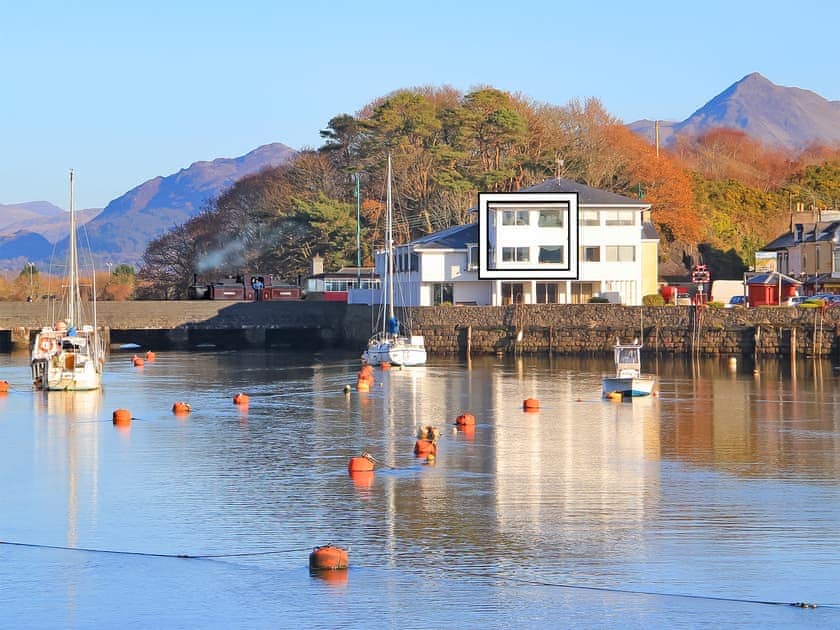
x: 526, y: 198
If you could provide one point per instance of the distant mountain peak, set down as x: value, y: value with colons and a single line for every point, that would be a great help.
x: 125, y: 227
x: 785, y: 117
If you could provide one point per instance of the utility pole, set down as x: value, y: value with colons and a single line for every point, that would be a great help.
x: 358, y: 232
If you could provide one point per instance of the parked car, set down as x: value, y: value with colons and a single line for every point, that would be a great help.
x: 737, y: 301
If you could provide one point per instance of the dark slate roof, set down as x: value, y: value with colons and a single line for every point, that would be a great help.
x: 782, y: 242
x: 586, y: 194
x: 649, y: 232
x: 772, y: 277
x: 455, y: 237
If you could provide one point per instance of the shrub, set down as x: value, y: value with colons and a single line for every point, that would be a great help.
x: 653, y: 299
x: 714, y: 304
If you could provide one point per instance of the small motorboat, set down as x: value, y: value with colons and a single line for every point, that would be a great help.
x: 628, y: 379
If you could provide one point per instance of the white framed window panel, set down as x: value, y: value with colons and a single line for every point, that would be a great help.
x: 527, y: 236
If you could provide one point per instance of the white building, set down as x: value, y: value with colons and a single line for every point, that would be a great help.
x: 616, y: 254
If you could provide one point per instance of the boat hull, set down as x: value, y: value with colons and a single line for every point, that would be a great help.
x: 629, y: 386
x: 396, y: 352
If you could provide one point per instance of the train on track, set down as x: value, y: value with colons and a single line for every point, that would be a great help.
x: 256, y: 288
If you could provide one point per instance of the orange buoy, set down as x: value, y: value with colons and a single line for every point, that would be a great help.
x: 328, y: 558
x: 241, y: 399
x: 122, y: 417
x: 4, y: 387
x: 465, y: 419
x: 362, y: 478
x: 181, y: 408
x: 150, y: 356
x: 467, y: 430
x: 425, y: 447
x: 531, y: 404
x: 363, y: 463
x: 138, y: 362
x: 362, y: 385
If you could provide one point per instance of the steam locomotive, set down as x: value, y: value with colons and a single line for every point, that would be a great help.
x: 255, y: 288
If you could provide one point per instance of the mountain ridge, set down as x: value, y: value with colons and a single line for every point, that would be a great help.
x: 783, y: 117
x: 121, y: 231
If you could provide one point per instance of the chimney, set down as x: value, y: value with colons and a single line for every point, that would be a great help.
x: 317, y: 265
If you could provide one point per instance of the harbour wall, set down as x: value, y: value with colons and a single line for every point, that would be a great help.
x: 450, y: 330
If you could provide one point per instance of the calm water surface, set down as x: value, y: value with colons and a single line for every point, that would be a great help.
x: 588, y: 513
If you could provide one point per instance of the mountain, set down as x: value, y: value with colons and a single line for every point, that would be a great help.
x: 784, y: 117
x: 42, y: 217
x: 124, y: 228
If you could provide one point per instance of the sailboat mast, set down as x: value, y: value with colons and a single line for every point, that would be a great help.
x: 389, y: 237
x: 73, y: 297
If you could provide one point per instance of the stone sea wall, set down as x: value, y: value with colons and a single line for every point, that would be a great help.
x: 593, y: 328
x: 453, y: 330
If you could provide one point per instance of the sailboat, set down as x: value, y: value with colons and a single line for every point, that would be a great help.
x: 69, y: 355
x: 389, y: 345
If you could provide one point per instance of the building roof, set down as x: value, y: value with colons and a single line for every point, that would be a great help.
x: 587, y: 195
x: 455, y: 237
x: 772, y: 277
x: 459, y: 236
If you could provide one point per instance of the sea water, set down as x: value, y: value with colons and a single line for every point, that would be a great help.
x: 714, y: 503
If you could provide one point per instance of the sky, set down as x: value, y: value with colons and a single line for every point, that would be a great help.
x: 124, y: 92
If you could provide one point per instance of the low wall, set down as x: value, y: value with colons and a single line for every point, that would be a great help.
x: 533, y: 328
x: 593, y: 328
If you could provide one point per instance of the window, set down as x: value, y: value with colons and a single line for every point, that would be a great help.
x: 620, y: 253
x: 836, y: 262
x: 590, y: 254
x: 472, y: 257
x: 513, y: 293
x: 619, y: 217
x: 550, y: 293
x: 552, y: 217
x: 552, y: 254
x: 516, y: 254
x: 589, y: 217
x: 515, y: 217
x: 582, y: 292
x: 442, y: 293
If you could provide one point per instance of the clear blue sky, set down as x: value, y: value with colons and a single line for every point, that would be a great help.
x: 123, y: 92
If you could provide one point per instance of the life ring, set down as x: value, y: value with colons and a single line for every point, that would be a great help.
x: 47, y: 345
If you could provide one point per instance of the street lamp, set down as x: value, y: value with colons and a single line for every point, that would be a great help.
x: 109, y: 268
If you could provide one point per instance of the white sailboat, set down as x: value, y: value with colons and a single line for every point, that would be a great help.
x: 69, y: 355
x: 388, y: 345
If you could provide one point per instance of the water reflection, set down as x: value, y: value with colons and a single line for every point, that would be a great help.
x: 698, y: 489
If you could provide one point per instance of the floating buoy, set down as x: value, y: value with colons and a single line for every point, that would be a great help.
x: 241, y: 399
x: 531, y: 404
x: 467, y: 430
x: 362, y: 478
x: 122, y: 417
x: 138, y: 362
x: 181, y: 408
x: 425, y: 447
x: 430, y: 458
x: 615, y: 396
x: 150, y: 356
x: 4, y: 387
x: 384, y: 366
x: 328, y: 558
x: 465, y: 419
x: 347, y: 389
x: 363, y: 463
x: 362, y: 385
x: 428, y: 432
